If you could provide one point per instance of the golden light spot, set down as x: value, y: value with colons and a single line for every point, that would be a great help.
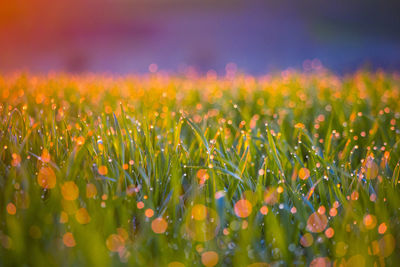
x: 103, y: 170
x: 264, y: 210
x: 304, y: 173
x: 322, y: 262
x: 46, y: 178
x: 299, y: 125
x: 82, y: 216
x: 333, y: 212
x: 316, y: 223
x: 80, y: 140
x: 140, y: 205
x: 279, y: 190
x: 11, y: 209
x: 70, y: 190
x: 149, y: 213
x: 125, y: 166
x: 91, y: 190
x: 386, y: 245
x: 199, y: 212
x: 115, y: 243
x: 341, y: 249
x: 369, y: 221
x: 45, y: 157
x: 16, y: 160
x: 63, y: 217
x: 209, y: 258
x: 306, y: 240
x: 329, y: 232
x: 202, y: 175
x: 203, y: 230
x: 321, y: 210
x: 159, y: 225
x: 176, y: 264
x: 35, y: 232
x: 243, y: 208
x: 69, y: 240
x: 354, y: 195
x: 382, y: 228
x: 199, y: 248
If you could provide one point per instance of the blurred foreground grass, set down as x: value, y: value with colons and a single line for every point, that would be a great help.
x: 155, y: 170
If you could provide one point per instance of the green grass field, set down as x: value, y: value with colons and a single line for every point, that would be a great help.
x: 156, y: 170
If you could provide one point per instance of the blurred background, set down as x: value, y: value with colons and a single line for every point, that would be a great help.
x: 124, y: 36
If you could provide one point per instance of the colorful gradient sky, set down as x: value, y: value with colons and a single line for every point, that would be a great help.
x: 123, y: 36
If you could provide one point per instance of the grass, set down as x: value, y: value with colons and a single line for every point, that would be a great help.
x: 156, y: 170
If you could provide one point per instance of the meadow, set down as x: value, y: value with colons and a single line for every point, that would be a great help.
x: 291, y: 168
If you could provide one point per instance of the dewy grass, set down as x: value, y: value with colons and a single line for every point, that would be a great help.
x: 158, y: 170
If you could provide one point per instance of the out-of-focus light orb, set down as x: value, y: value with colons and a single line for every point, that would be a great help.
x: 317, y: 222
x: 321, y: 262
x: 11, y: 209
x: 82, y: 216
x: 69, y: 240
x: 304, y: 173
x: 103, y: 170
x: 307, y: 240
x: 199, y: 212
x: 70, y: 190
x: 243, y: 208
x: 159, y: 225
x: 203, y: 230
x: 149, y: 213
x: 369, y: 221
x: 387, y: 245
x: 46, y: 178
x: 209, y: 258
x: 115, y: 243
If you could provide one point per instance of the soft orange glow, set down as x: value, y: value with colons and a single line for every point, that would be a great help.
x: 316, y: 223
x: 115, y: 243
x: 149, y: 213
x: 70, y: 190
x: 243, y: 208
x: 80, y: 140
x: 369, y: 221
x: 329, y: 232
x: 11, y: 209
x: 202, y: 176
x: 321, y: 262
x: 103, y: 170
x: 140, y: 205
x: 159, y: 225
x: 382, y: 228
x: 69, y: 240
x: 304, y: 173
x: 46, y: 178
x: 264, y: 210
x: 209, y: 258
x: 45, y: 157
x: 82, y: 216
x: 16, y: 160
